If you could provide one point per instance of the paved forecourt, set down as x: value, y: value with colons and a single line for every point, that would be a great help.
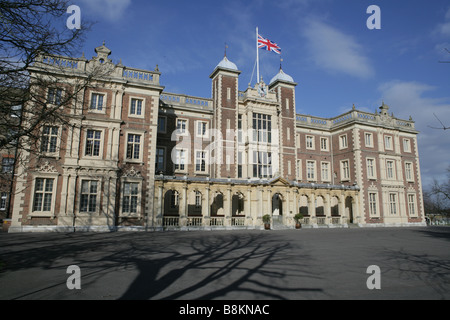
x: 404, y: 263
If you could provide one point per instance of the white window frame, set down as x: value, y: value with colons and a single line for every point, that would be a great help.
x: 388, y: 142
x: 311, y: 173
x: 343, y: 141
x: 390, y: 171
x: 135, y: 115
x: 102, y: 137
x: 327, y: 167
x: 409, y: 172
x: 199, y: 130
x: 412, y: 204
x: 368, y: 139
x: 98, y: 195
x: 138, y: 182
x: 345, y: 170
x: 310, y: 142
x: 393, y: 203
x: 299, y: 169
x: 58, y: 140
x: 141, y: 146
x: 326, y: 141
x: 204, y: 158
x: 181, y: 157
x: 40, y: 213
x: 373, y: 204
x: 54, y: 101
x: 182, y: 131
x: 91, y: 100
x: 371, y: 169
x: 406, y: 145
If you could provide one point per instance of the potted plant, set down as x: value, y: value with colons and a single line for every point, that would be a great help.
x: 266, y: 220
x: 298, y: 220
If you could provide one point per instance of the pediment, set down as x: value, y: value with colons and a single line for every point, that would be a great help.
x: 278, y: 181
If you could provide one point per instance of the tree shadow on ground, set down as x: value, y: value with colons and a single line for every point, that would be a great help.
x: 169, y: 265
x: 236, y: 266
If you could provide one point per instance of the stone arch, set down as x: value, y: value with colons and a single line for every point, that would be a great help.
x: 195, y: 201
x: 172, y: 203
x: 277, y: 204
x: 349, y: 208
x: 334, y: 204
x: 320, y: 205
x: 303, y: 205
x: 237, y: 204
x: 217, y: 208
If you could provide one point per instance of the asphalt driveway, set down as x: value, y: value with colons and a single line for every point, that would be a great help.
x: 228, y: 265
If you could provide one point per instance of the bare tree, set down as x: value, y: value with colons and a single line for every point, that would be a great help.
x: 31, y: 29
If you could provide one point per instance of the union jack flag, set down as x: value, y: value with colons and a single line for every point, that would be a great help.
x: 268, y: 45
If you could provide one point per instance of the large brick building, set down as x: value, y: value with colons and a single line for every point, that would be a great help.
x: 137, y: 157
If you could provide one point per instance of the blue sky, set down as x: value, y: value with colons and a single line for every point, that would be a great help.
x: 326, y: 47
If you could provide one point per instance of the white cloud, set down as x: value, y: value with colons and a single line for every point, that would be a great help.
x: 336, y: 51
x: 109, y: 9
x: 409, y: 99
x: 443, y: 29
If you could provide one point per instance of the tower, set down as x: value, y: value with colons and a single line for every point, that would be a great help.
x: 225, y: 118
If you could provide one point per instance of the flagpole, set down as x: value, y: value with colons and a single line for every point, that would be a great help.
x: 257, y: 57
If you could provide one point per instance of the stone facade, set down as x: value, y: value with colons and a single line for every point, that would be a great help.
x: 135, y: 157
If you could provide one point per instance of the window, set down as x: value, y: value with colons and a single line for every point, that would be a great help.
x: 343, y: 141
x: 43, y: 193
x: 162, y: 121
x: 240, y: 128
x: 93, y: 140
x: 371, y: 173
x: 390, y: 169
x: 200, y: 161
x: 409, y: 171
x: 201, y: 128
x: 3, y: 200
x: 49, y: 139
x: 88, y: 199
x: 198, y: 199
x: 239, y: 167
x: 159, y: 163
x: 388, y: 142
x: 309, y: 142
x: 97, y: 102
x: 299, y: 169
x: 181, y: 126
x: 325, y: 169
x: 345, y: 170
x: 311, y: 170
x: 7, y: 165
x: 406, y: 145
x: 392, y: 203
x: 372, y: 204
x: 136, y: 107
x: 180, y: 160
x: 262, y: 164
x: 54, y: 96
x: 134, y: 146
x: 368, y: 139
x: 174, y: 199
x: 262, y: 128
x: 130, y: 197
x: 412, y: 204
x: 324, y: 144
